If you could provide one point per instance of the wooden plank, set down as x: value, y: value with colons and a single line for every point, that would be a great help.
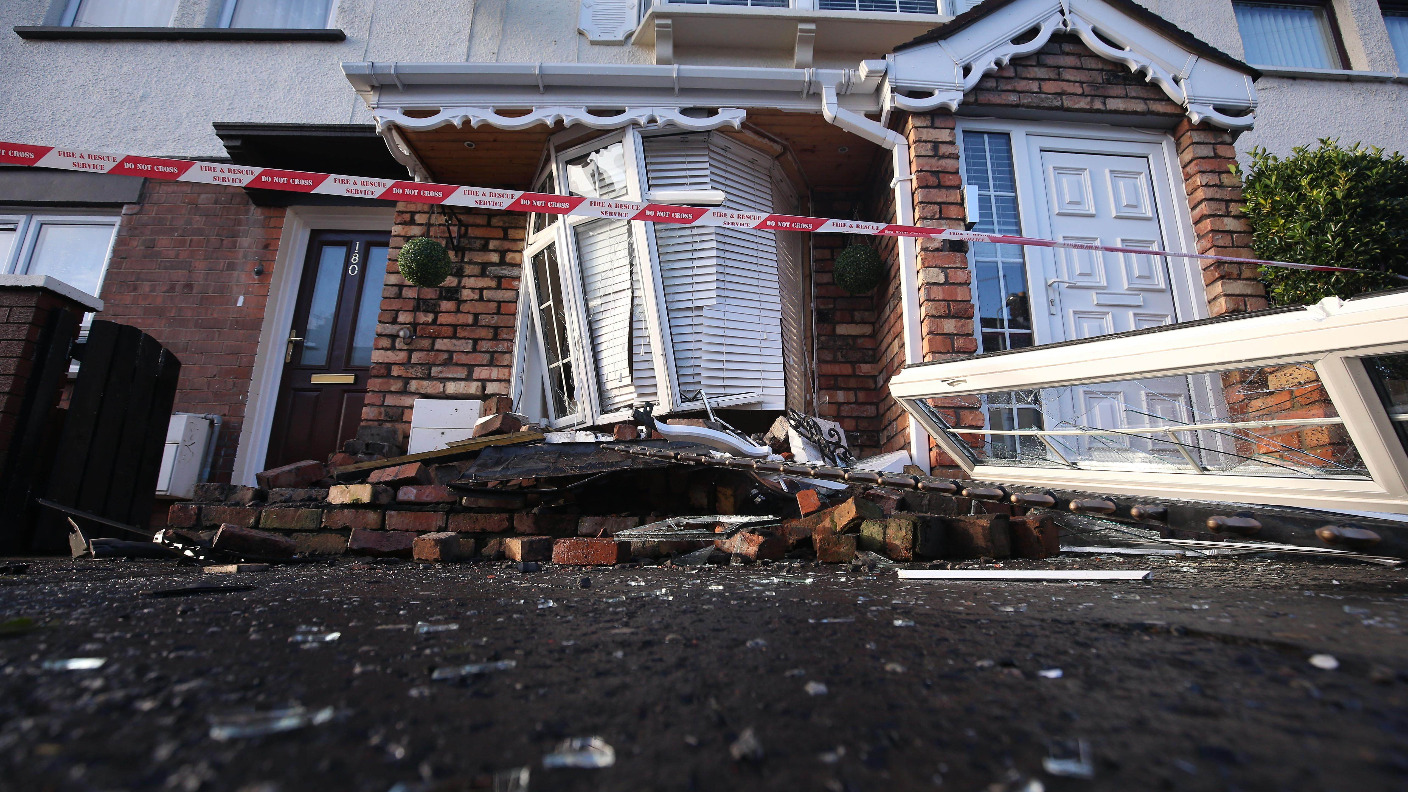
x: 1024, y: 574
x: 134, y: 427
x: 153, y: 443
x: 107, y: 431
x: 461, y: 449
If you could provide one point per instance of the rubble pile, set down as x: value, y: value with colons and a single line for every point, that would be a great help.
x: 514, y: 492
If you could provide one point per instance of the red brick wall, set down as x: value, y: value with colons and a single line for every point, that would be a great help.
x: 182, y: 260
x: 464, y: 329
x: 24, y: 313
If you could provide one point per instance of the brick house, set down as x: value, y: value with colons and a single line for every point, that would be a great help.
x: 1093, y: 119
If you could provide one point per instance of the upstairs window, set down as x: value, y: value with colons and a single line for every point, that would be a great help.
x: 118, y: 13
x: 1396, y: 20
x: 881, y: 6
x: 287, y: 14
x: 1289, y: 35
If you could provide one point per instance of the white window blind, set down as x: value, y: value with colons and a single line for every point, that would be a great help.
x: 1286, y: 35
x: 119, y: 13
x: 721, y: 285
x: 1396, y: 19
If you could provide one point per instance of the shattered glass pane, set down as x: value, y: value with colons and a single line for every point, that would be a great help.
x: 1263, y: 421
x: 1389, y: 373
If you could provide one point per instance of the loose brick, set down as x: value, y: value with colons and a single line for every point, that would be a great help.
x: 929, y: 541
x: 443, y: 546
x: 834, y: 548
x: 291, y: 519
x: 901, y: 531
x: 808, y: 502
x: 847, y: 516
x: 495, y: 404
x: 426, y: 493
x: 381, y: 543
x: 754, y: 546
x: 401, y: 475
x: 605, y: 524
x: 320, y: 544
x: 298, y: 474
x: 248, y: 541
x: 528, y: 548
x: 480, y: 523
x: 208, y: 492
x: 499, y: 424
x: 546, y: 524
x: 350, y: 494
x: 1034, y: 536
x: 800, y: 529
x: 287, y: 495
x: 353, y: 519
x: 625, y: 433
x: 420, y: 521
x: 493, y: 547
x: 654, y: 548
x: 506, y: 502
x: 589, y: 552
x: 871, y: 536
x: 977, y: 536
x: 243, y: 516
x: 183, y: 515
x: 889, y: 501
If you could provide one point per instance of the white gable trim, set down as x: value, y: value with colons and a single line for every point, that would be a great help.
x: 567, y: 116
x: 938, y: 75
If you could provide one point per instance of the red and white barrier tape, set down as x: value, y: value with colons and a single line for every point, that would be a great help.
x: 515, y: 201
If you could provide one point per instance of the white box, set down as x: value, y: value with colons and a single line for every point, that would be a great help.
x: 183, y: 456
x: 435, y: 423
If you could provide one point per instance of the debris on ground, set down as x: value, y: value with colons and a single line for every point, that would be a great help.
x: 242, y: 725
x: 586, y: 753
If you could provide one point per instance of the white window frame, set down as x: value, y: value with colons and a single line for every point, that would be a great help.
x: 27, y: 236
x: 1332, y: 335
x: 227, y: 14
x: 71, y: 13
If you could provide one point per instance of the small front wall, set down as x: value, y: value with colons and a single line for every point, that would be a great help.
x: 460, y: 334
x: 1063, y: 81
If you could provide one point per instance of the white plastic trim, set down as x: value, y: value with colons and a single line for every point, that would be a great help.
x: 567, y: 116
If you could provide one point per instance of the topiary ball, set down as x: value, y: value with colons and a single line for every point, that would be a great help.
x: 858, y: 269
x: 424, y: 262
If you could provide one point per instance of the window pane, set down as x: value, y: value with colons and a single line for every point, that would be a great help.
x: 322, y: 311
x: 72, y: 253
x: 280, y: 13
x: 882, y: 6
x: 124, y: 13
x: 553, y: 323
x: 1397, y: 22
x: 370, y: 305
x: 600, y: 174
x: 1389, y: 374
x: 9, y: 231
x: 999, y: 271
x: 1286, y: 35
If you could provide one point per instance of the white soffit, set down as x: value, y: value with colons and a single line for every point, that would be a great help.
x: 420, y: 96
x: 938, y: 74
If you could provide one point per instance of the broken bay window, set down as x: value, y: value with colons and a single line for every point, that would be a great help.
x: 654, y: 312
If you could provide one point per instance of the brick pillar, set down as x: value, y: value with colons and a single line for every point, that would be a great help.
x: 27, y: 309
x: 464, y: 328
x: 1216, y: 205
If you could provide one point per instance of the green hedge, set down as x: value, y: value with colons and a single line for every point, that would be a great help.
x: 1342, y: 207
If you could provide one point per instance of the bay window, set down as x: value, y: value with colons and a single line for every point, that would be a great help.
x: 118, y: 13
x: 617, y: 313
x: 287, y: 14
x: 1288, y: 35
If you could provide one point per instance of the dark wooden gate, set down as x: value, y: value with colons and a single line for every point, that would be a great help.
x: 36, y: 429
x: 109, y: 451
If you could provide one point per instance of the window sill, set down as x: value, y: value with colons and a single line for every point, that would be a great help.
x: 59, y: 33
x: 1341, y: 75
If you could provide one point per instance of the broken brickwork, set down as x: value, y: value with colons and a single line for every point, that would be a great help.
x: 462, y: 332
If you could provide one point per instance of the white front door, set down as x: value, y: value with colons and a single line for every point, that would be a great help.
x: 1110, y: 199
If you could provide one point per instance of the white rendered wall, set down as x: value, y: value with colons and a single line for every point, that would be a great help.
x: 161, y: 97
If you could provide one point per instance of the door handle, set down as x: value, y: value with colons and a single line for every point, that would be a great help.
x: 288, y: 351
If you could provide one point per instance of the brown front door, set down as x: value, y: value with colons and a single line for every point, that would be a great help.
x: 329, y: 349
